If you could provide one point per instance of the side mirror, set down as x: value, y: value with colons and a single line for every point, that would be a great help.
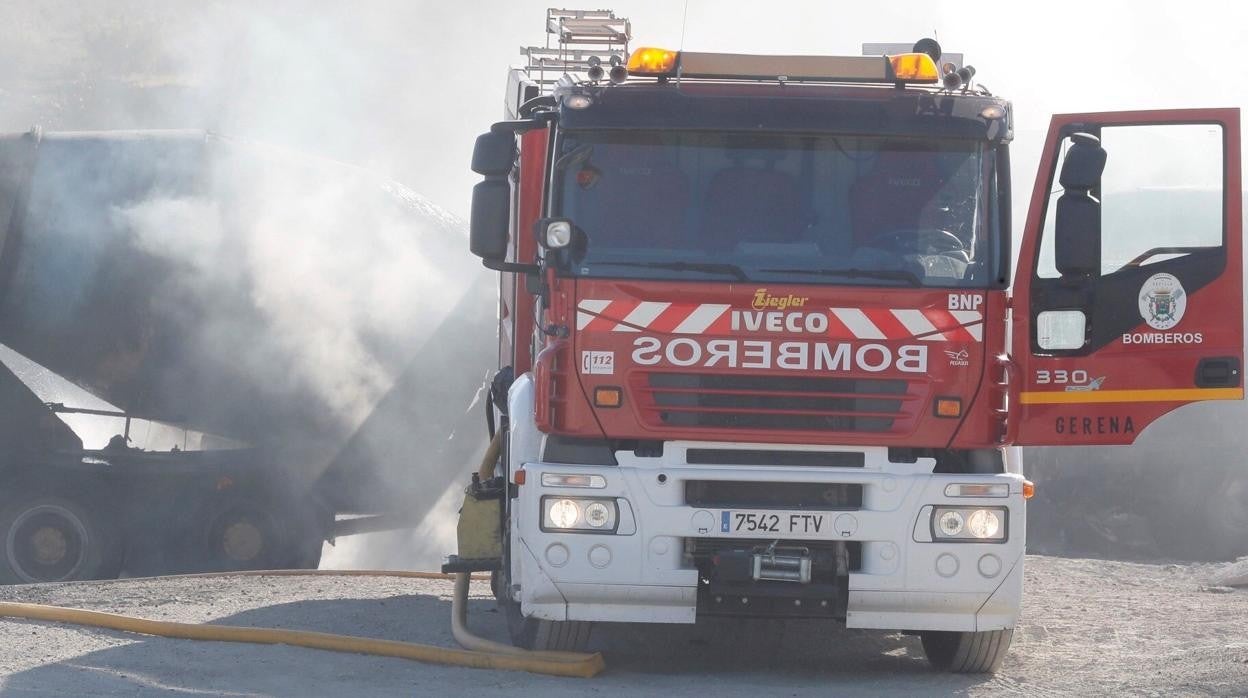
x: 1077, y: 227
x: 494, y: 154
x: 488, y: 224
x: 488, y: 227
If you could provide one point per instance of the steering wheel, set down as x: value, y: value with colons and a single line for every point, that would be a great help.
x: 920, y: 241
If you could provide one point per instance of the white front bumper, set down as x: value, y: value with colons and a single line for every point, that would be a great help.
x: 640, y: 573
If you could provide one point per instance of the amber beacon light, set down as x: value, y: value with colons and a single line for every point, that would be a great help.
x: 652, y: 61
x: 914, y: 67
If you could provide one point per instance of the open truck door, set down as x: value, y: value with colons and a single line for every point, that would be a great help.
x: 1128, y: 302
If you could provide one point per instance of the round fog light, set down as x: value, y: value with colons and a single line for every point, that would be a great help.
x: 990, y: 566
x: 951, y: 523
x: 597, y: 514
x: 557, y: 555
x: 600, y: 556
x: 983, y: 523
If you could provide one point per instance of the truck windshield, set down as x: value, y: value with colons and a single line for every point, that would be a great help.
x: 767, y: 207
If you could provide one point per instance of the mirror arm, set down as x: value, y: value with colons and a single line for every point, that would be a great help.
x: 538, y: 120
x: 499, y: 265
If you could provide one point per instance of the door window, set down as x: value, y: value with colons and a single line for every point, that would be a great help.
x: 1160, y: 196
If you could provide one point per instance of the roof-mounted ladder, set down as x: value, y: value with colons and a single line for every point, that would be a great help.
x: 572, y: 38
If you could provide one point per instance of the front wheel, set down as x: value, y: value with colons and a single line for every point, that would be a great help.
x: 967, y: 653
x: 539, y: 634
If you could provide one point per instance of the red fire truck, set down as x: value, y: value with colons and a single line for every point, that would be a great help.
x: 766, y: 342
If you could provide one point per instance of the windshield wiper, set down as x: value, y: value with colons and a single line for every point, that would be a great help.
x: 890, y: 274
x: 709, y: 267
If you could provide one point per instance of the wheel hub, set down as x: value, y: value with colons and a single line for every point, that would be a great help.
x: 49, y: 544
x: 242, y: 541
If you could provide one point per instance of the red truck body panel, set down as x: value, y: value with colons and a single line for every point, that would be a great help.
x: 766, y: 362
x: 1135, y: 382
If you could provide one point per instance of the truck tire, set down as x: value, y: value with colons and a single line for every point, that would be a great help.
x: 966, y: 653
x: 539, y: 634
x: 57, y: 538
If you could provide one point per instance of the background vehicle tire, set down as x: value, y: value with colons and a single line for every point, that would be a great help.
x: 1225, y: 512
x: 538, y: 634
x: 304, y: 550
x: 966, y: 653
x: 244, y: 535
x: 251, y: 534
x: 58, y: 537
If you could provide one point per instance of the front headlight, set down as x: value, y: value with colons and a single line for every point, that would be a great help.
x: 969, y: 524
x: 579, y: 514
x: 984, y: 523
x: 563, y: 513
x: 951, y: 523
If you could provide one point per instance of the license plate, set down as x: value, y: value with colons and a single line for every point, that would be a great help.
x: 782, y: 523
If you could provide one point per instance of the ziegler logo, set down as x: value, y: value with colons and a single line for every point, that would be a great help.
x: 763, y: 301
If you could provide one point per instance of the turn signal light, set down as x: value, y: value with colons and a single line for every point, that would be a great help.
x: 948, y: 407
x: 518, y: 476
x: 608, y: 397
x: 652, y: 61
x: 1029, y: 489
x: 914, y: 67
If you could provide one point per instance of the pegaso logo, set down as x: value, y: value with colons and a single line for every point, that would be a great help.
x: 1162, y: 301
x: 765, y: 301
x: 959, y: 358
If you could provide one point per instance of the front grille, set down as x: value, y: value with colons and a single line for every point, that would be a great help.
x: 773, y: 495
x: 727, y: 401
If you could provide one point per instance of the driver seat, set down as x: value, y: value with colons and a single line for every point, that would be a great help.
x: 752, y: 206
x: 637, y: 199
x: 893, y: 194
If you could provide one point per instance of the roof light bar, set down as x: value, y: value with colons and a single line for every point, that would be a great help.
x: 901, y: 68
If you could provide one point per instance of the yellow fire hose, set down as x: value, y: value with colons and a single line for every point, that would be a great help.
x: 479, y: 653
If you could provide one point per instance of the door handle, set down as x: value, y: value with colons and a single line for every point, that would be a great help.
x: 1218, y: 372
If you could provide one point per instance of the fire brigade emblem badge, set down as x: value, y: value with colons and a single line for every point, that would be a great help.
x: 1162, y: 301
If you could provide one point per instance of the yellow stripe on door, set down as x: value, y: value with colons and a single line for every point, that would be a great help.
x: 1053, y: 397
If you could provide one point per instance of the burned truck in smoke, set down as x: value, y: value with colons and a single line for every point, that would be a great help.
x: 205, y: 359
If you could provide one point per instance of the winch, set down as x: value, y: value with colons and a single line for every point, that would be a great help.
x: 783, y: 565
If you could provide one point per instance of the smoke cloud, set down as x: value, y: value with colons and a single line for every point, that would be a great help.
x: 306, y: 283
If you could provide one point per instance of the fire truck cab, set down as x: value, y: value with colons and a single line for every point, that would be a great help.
x: 765, y: 350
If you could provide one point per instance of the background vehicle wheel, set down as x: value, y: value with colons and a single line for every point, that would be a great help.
x: 249, y: 534
x: 537, y: 634
x: 57, y: 538
x: 243, y: 535
x: 1226, y: 516
x: 966, y: 653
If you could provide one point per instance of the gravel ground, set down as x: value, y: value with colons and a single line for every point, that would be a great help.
x: 1089, y: 627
